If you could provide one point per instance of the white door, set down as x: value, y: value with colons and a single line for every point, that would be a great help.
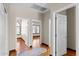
x: 26, y: 31
x: 61, y: 34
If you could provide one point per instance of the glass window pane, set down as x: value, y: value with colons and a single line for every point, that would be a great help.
x: 34, y: 28
x: 17, y: 30
x: 37, y: 29
x: 24, y: 26
x: 17, y: 24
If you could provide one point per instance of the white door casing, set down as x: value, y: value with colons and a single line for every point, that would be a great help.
x: 3, y: 34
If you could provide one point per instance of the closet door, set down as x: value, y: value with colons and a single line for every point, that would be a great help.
x: 61, y: 34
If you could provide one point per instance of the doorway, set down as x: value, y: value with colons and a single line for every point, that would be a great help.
x: 65, y: 38
x: 23, y: 30
x: 36, y: 33
x: 29, y: 30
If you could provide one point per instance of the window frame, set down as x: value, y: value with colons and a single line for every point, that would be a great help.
x: 36, y: 29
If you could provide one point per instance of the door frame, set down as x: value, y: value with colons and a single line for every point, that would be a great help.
x: 53, y: 26
x: 37, y: 20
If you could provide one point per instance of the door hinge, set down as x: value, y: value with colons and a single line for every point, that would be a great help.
x: 55, y: 35
x: 55, y: 53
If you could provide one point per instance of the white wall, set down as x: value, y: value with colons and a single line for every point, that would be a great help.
x: 3, y: 32
x: 77, y: 29
x: 18, y: 10
x: 45, y: 28
x: 71, y: 39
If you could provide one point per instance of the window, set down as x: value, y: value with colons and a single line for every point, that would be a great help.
x: 36, y: 29
x: 21, y: 26
x: 24, y: 26
x: 18, y: 28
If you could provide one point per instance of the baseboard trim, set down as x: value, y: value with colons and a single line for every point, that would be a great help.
x: 31, y: 46
x: 50, y: 55
x: 45, y: 44
x: 71, y: 49
x: 12, y: 51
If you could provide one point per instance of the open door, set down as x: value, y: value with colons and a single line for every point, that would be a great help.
x: 61, y: 34
x: 23, y: 29
x: 36, y: 33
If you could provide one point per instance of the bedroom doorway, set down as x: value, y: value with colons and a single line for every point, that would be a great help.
x: 65, y: 38
x: 23, y: 30
x: 36, y: 33
x: 29, y: 30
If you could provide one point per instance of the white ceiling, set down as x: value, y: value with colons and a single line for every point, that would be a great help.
x: 50, y: 6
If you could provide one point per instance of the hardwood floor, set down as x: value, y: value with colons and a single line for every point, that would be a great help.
x: 12, y: 52
x: 35, y: 44
x: 44, y: 46
x: 70, y: 52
